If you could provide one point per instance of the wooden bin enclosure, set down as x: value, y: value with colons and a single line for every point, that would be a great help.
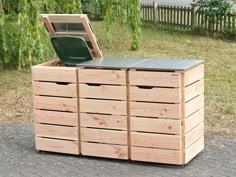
x: 56, y: 108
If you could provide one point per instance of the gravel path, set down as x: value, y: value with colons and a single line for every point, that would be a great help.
x: 18, y: 158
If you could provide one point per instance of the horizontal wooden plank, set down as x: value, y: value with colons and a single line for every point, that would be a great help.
x: 194, y: 75
x: 156, y: 140
x: 104, y: 150
x: 102, y: 76
x: 194, y: 105
x: 156, y: 155
x: 168, y: 95
x: 62, y: 146
x: 58, y: 118
x: 194, y: 149
x: 194, y: 90
x: 194, y: 135
x: 66, y: 19
x: 102, y: 91
x: 169, y: 126
x: 53, y: 131
x: 161, y: 79
x: 155, y: 110
x: 55, y: 103
x: 103, y: 121
x: 55, y: 74
x: 55, y: 89
x: 103, y: 106
x: 104, y: 136
x: 194, y: 120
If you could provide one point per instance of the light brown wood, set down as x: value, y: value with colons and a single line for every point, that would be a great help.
x: 103, y: 121
x: 162, y: 141
x: 104, y: 150
x: 65, y: 18
x: 168, y: 95
x: 194, y: 105
x: 55, y: 103
x: 104, y: 136
x: 194, y: 120
x: 55, y: 74
x: 194, y: 135
x: 103, y: 106
x: 57, y: 118
x: 53, y: 145
x: 102, y: 91
x: 156, y: 155
x: 194, y: 149
x: 101, y: 76
x: 49, y: 26
x: 194, y: 90
x: 194, y: 75
x: 155, y: 125
x: 54, y: 89
x: 155, y: 110
x: 53, y: 131
x: 161, y: 79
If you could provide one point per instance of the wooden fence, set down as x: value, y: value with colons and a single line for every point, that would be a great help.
x: 186, y: 18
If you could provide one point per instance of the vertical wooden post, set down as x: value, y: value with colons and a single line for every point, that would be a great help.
x: 154, y: 11
x: 193, y: 16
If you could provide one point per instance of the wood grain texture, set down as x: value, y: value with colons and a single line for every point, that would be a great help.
x: 194, y: 120
x: 194, y: 105
x: 193, y: 75
x: 194, y: 135
x: 194, y: 90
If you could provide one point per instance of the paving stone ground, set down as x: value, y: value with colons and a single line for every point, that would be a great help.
x: 18, y: 158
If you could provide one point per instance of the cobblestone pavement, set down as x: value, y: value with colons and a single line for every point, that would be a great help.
x: 18, y: 158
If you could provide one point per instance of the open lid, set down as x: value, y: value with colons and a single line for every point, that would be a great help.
x: 73, y: 25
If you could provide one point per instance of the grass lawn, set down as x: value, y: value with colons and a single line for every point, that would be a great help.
x: 220, y: 73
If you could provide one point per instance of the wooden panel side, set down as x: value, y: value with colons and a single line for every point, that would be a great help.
x: 194, y: 75
x: 55, y: 103
x: 101, y: 76
x: 60, y: 132
x: 156, y: 155
x: 103, y: 91
x: 167, y: 95
x: 156, y: 125
x: 155, y: 140
x: 161, y: 79
x: 194, y: 120
x: 63, y: 18
x: 104, y: 150
x: 103, y: 106
x: 194, y: 90
x: 194, y: 149
x: 58, y: 118
x: 194, y: 135
x: 194, y: 105
x: 155, y: 110
x: 62, y: 146
x: 54, y: 89
x: 104, y: 136
x: 103, y: 121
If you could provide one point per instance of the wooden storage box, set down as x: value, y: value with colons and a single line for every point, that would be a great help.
x: 56, y: 108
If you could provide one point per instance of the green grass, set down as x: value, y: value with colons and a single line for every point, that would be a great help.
x: 220, y: 72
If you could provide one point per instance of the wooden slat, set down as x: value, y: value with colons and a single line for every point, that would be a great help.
x: 194, y: 149
x: 155, y: 140
x: 103, y: 106
x: 194, y: 135
x: 53, y: 131
x: 55, y: 103
x: 54, y: 89
x: 168, y: 95
x: 102, y: 91
x: 194, y: 90
x: 103, y: 121
x: 194, y: 120
x: 155, y: 125
x: 194, y: 105
x: 162, y: 79
x: 104, y: 136
x: 194, y: 75
x: 101, y: 76
x: 56, y: 74
x: 156, y: 155
x: 58, y: 118
x: 49, y: 26
x: 65, y: 18
x: 68, y: 147
x: 104, y: 150
x: 155, y: 110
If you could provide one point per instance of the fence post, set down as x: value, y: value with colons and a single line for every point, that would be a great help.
x: 154, y: 11
x: 193, y: 16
